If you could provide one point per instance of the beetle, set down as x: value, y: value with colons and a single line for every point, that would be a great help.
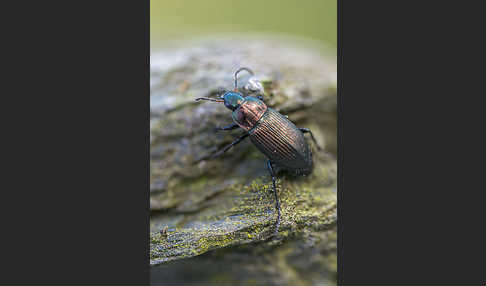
x: 271, y: 132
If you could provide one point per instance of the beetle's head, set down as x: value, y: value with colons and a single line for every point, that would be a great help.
x: 232, y: 99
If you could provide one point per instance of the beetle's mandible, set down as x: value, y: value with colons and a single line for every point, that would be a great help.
x: 272, y: 133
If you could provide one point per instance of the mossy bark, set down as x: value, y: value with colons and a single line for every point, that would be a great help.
x: 226, y: 205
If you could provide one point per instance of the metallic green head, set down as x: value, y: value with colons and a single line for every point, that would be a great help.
x: 232, y: 99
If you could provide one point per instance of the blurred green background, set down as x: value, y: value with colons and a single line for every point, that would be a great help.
x: 173, y: 19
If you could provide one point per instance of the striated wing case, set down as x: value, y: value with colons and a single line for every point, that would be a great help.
x: 281, y: 141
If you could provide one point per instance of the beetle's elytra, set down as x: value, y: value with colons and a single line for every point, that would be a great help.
x: 272, y: 133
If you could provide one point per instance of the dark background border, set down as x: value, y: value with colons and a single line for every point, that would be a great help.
x: 75, y: 193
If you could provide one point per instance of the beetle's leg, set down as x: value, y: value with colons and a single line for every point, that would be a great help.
x: 237, y: 140
x: 277, y: 204
x: 228, y: 127
x: 307, y: 130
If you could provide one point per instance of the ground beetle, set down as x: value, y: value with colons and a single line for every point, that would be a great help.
x: 271, y: 132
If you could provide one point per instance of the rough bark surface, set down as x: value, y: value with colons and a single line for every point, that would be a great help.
x: 217, y: 217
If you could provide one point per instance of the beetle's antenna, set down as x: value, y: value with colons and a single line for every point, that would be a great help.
x: 210, y: 99
x: 236, y: 74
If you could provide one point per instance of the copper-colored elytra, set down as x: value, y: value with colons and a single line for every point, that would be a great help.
x: 275, y: 138
x: 210, y: 99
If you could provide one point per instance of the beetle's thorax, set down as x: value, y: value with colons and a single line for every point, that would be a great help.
x: 249, y: 112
